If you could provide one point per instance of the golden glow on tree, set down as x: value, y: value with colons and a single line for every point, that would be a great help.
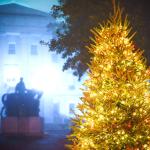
x: 115, y: 107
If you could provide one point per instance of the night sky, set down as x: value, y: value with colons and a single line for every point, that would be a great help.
x: 136, y: 5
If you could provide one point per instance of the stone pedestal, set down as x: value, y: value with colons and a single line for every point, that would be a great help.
x: 25, y: 126
x: 10, y: 125
x: 31, y: 126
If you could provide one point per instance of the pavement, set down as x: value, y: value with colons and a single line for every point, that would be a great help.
x: 51, y: 140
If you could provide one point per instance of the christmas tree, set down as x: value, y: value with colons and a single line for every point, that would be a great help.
x: 115, y: 107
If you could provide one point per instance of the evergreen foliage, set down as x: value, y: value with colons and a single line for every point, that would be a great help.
x: 115, y: 108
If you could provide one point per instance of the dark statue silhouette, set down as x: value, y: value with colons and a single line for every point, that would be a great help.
x: 22, y: 103
x: 20, y: 87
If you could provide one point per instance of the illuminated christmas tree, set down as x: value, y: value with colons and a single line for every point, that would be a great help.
x: 115, y: 107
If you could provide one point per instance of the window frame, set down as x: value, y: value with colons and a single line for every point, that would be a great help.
x: 11, y: 48
x: 34, y: 50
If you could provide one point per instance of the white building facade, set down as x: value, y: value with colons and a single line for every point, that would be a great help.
x: 22, y: 55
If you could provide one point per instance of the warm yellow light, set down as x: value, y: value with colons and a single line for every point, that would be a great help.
x: 116, y: 104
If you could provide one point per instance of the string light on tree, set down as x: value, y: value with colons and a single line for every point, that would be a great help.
x: 115, y: 108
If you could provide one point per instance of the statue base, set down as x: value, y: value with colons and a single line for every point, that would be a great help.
x: 22, y: 126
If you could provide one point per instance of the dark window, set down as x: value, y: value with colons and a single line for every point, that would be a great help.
x: 12, y: 49
x: 34, y: 50
x: 71, y: 108
x: 71, y: 87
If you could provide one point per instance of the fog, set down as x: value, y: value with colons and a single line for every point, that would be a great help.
x: 22, y: 55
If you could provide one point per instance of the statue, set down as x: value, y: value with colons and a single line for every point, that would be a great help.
x: 22, y: 103
x: 20, y: 87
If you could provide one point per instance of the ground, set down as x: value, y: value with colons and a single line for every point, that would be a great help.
x: 52, y: 140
